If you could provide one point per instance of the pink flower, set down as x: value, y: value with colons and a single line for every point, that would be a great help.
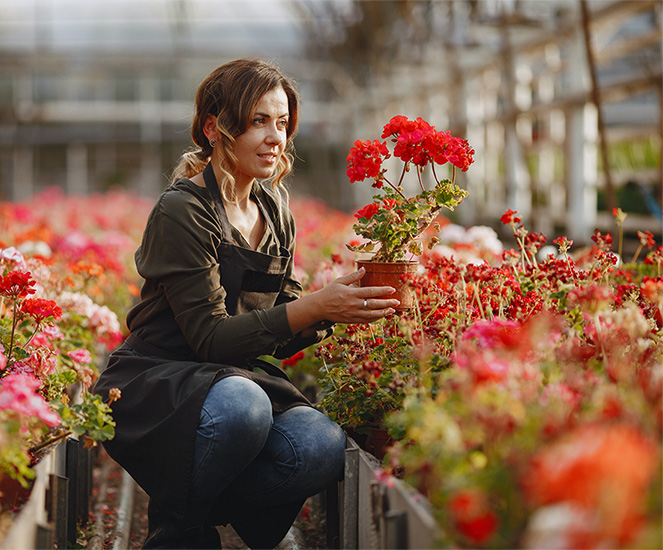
x: 53, y: 331
x: 384, y: 477
x: 80, y: 356
x: 18, y: 395
x: 498, y: 332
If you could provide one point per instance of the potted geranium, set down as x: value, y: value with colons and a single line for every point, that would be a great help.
x: 392, y: 225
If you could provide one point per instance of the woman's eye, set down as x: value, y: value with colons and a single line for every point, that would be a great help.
x: 283, y: 123
x: 258, y: 120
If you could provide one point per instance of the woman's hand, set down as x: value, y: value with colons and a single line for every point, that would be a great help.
x: 342, y: 301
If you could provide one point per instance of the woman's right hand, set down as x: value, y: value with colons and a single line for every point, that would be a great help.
x: 342, y: 301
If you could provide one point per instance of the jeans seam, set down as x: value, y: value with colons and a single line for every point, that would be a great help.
x: 208, y: 450
x: 297, y: 466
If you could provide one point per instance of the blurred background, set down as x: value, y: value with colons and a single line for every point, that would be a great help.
x: 560, y: 98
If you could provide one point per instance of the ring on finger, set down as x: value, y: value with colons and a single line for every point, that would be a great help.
x: 365, y: 303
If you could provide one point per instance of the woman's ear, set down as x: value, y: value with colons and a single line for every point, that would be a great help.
x: 211, y: 133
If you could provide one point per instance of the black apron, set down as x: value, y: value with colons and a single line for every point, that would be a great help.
x: 163, y: 393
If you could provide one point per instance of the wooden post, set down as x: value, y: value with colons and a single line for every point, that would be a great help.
x: 595, y: 93
x: 349, y: 524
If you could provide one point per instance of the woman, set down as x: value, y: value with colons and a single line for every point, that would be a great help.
x: 213, y: 434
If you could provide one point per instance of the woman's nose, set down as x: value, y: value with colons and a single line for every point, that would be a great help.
x: 275, y: 135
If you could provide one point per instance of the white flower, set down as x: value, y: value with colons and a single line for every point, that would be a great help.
x: 35, y: 248
x: 12, y: 254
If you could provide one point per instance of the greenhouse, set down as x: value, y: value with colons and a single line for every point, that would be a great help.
x: 495, y: 163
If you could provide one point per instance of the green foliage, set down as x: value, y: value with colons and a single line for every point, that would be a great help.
x: 90, y: 416
x: 396, y: 222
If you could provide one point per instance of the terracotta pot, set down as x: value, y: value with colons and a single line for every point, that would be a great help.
x: 372, y: 438
x: 378, y: 441
x: 12, y: 494
x: 390, y: 274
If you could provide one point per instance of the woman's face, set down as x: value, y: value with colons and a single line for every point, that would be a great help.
x: 260, y: 147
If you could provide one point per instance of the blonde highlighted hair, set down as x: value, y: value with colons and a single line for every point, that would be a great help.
x: 231, y: 93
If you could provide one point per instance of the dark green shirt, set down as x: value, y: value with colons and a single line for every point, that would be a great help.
x: 182, y: 307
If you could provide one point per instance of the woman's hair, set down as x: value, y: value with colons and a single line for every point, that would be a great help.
x: 231, y: 93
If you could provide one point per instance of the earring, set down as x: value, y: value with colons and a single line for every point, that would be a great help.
x: 213, y: 142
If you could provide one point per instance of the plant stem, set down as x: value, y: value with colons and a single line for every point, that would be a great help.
x: 478, y: 299
x: 397, y: 189
x: 637, y: 253
x: 48, y: 442
x: 621, y: 241
x: 14, y: 323
x: 32, y: 335
x: 331, y: 378
x: 400, y: 180
x: 421, y: 183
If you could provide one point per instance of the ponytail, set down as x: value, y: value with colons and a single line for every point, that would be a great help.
x: 191, y: 163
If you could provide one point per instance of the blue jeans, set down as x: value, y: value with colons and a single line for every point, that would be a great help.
x: 248, y: 459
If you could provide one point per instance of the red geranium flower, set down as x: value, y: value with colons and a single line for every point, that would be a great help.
x: 17, y: 284
x: 292, y: 361
x: 365, y: 160
x: 472, y: 515
x: 368, y: 211
x: 509, y: 217
x: 41, y: 309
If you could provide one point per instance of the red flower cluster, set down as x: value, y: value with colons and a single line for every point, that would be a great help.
x: 365, y: 160
x: 472, y: 515
x: 647, y: 239
x: 40, y: 309
x: 509, y: 218
x: 17, y: 284
x: 604, y: 242
x: 418, y: 142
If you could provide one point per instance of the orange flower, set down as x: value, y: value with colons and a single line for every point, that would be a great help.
x: 604, y: 468
x: 92, y: 269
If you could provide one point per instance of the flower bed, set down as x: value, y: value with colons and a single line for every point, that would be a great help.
x: 65, y: 280
x: 524, y: 396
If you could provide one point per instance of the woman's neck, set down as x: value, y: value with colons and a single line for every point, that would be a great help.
x: 243, y: 195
